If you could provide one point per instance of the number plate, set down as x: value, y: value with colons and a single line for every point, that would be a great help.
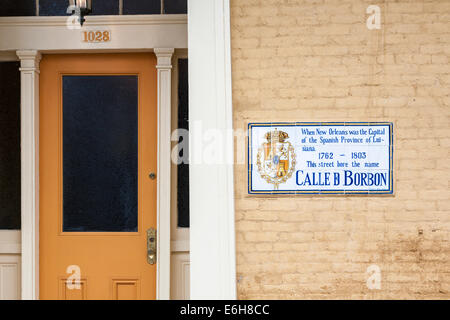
x: 96, y: 36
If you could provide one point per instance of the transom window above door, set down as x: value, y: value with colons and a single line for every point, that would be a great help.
x: 99, y: 7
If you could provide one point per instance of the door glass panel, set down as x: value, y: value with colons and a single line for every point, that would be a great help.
x: 100, y: 153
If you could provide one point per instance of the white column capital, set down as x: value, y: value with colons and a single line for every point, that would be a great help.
x: 164, y: 56
x: 29, y: 60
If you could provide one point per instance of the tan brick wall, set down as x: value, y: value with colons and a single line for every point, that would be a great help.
x: 315, y: 60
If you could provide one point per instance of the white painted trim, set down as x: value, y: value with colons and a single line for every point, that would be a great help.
x: 212, y: 237
x: 29, y: 112
x: 164, y: 66
x: 8, y: 56
x: 120, y: 7
x: 113, y: 20
x: 9, y: 277
x: 179, y: 246
x: 10, y: 242
x: 131, y: 32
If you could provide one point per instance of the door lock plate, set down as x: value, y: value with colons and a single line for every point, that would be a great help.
x: 151, y: 246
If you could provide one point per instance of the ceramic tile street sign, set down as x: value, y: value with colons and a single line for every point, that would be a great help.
x: 320, y: 158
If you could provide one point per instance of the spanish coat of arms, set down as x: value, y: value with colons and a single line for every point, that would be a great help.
x: 276, y: 158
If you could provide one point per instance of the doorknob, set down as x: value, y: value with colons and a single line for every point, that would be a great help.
x: 152, y: 176
x: 151, y: 246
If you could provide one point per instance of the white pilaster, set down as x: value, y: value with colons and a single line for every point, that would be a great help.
x: 29, y: 112
x: 164, y: 66
x: 212, y: 244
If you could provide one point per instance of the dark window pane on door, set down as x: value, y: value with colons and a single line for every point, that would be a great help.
x: 183, y: 122
x: 141, y: 6
x: 9, y: 146
x: 175, y: 6
x: 100, y: 153
x: 16, y: 8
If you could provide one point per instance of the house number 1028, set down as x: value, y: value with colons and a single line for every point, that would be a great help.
x: 96, y: 36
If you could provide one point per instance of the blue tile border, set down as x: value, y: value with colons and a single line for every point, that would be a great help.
x: 388, y: 191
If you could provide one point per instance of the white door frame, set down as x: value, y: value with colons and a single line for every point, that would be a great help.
x: 50, y: 35
x: 212, y: 237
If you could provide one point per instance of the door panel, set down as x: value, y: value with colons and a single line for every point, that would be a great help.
x: 98, y: 144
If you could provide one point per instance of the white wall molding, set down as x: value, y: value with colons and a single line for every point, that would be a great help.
x: 29, y: 112
x: 10, y: 242
x: 112, y: 20
x: 212, y: 237
x: 179, y: 246
x: 8, y: 56
x: 9, y: 277
x: 181, y: 275
x: 164, y: 66
x: 131, y: 32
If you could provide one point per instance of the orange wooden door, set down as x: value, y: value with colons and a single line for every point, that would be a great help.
x: 98, y: 144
